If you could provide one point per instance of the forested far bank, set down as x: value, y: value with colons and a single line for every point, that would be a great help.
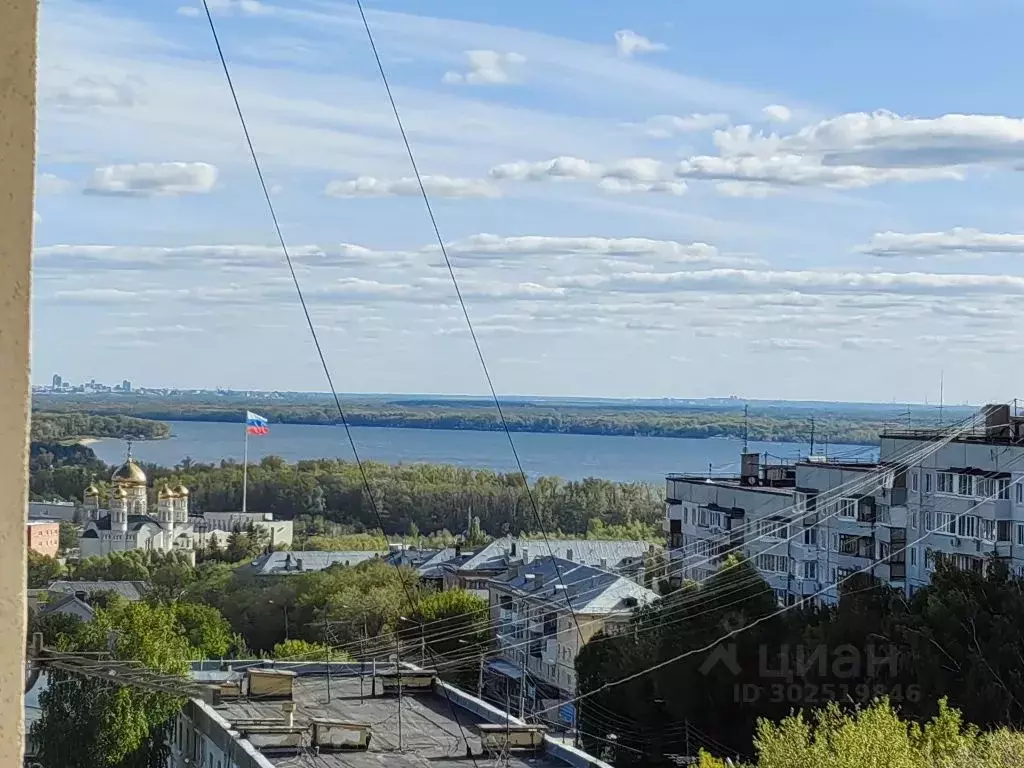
x: 409, y: 497
x: 48, y: 426
x: 774, y: 425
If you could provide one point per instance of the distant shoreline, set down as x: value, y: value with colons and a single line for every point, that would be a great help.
x: 845, y: 425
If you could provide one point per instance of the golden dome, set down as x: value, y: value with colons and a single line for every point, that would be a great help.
x: 120, y: 493
x: 92, y: 490
x: 166, y: 493
x: 129, y: 473
x: 181, y: 490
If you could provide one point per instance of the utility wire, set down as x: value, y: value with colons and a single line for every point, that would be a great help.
x: 309, y: 320
x: 458, y: 293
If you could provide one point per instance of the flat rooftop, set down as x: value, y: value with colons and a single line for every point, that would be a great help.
x: 731, y: 482
x: 430, y: 735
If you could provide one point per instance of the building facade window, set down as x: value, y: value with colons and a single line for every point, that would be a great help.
x: 848, y: 508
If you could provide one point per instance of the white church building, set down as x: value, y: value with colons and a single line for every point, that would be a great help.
x: 128, y: 524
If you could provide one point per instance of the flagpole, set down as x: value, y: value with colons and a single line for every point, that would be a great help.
x: 245, y: 467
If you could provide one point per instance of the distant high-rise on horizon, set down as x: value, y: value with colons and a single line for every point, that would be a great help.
x: 57, y: 381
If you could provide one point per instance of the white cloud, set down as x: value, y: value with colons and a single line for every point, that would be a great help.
x: 51, y: 184
x: 957, y: 241
x: 888, y: 140
x: 750, y: 176
x: 189, y: 10
x: 631, y: 175
x: 488, y: 68
x: 146, y: 179
x: 754, y: 189
x: 436, y: 186
x: 785, y: 344
x: 665, y: 251
x: 800, y: 171
x: 628, y: 43
x: 244, y: 7
x: 804, y: 281
x: 857, y: 150
x: 777, y: 113
x: 96, y: 91
x: 667, y: 126
x: 619, y: 186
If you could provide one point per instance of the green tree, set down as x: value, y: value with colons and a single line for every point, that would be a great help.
x: 205, y: 629
x: 87, y: 723
x: 303, y: 650
x: 117, y: 566
x: 68, y: 536
x: 475, y: 537
x: 42, y: 570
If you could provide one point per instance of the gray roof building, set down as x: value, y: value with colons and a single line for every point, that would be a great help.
x: 583, y: 588
x: 129, y: 590
x: 69, y: 605
x: 305, y: 561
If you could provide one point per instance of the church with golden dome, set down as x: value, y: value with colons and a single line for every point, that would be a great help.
x: 128, y: 523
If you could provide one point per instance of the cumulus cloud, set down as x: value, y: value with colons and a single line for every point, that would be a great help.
x: 888, y: 140
x: 635, y: 174
x: 958, y: 241
x: 667, y: 126
x: 96, y: 91
x: 735, y: 175
x: 619, y: 186
x: 437, y: 186
x: 668, y: 251
x: 488, y: 68
x: 628, y: 43
x: 799, y: 171
x: 850, y: 151
x: 804, y: 281
x: 777, y: 113
x: 149, y: 179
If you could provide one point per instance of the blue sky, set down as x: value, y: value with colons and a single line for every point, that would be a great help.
x: 655, y: 199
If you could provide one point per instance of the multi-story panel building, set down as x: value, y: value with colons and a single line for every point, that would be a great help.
x: 932, y: 494
x: 545, y: 611
x: 964, y: 501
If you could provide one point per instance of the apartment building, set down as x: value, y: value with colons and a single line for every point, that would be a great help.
x: 808, y: 525
x: 43, y: 536
x: 545, y: 610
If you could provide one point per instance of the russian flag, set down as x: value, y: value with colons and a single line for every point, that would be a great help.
x: 255, y: 424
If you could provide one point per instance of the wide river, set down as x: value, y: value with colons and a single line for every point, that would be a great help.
x: 573, y: 457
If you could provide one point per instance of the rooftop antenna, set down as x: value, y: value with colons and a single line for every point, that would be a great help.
x: 942, y: 376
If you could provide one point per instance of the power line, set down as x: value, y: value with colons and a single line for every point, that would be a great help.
x: 309, y: 320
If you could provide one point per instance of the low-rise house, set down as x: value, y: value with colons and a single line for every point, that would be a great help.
x: 69, y: 605
x: 129, y: 590
x: 305, y: 561
x: 472, y: 571
x: 545, y: 611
